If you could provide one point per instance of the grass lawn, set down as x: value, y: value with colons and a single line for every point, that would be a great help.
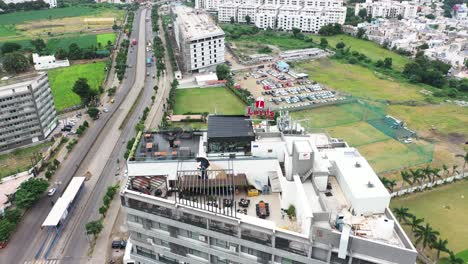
x: 445, y: 209
x: 359, y: 81
x: 25, y: 43
x: 370, y: 49
x: 213, y: 100
x: 463, y: 255
x: 392, y: 155
x: 63, y: 79
x: 331, y: 116
x: 358, y: 134
x: 20, y: 159
x: 446, y: 118
x: 104, y: 38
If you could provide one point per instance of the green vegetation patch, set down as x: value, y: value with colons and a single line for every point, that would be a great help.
x: 63, y: 79
x: 83, y: 41
x: 53, y: 13
x: 370, y: 49
x: 104, y: 38
x: 445, y: 209
x: 360, y: 82
x: 357, y: 134
x: 444, y: 118
x: 212, y: 100
x: 20, y: 159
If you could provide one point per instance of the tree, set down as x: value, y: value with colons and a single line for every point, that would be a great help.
x: 223, y: 71
x: 232, y: 20
x: 441, y: 246
x: 8, y: 47
x: 360, y: 33
x: 445, y: 169
x: 340, y: 45
x: 61, y: 54
x: 84, y: 91
x: 29, y: 191
x: 331, y: 29
x: 362, y: 13
x: 387, y: 63
x: 379, y: 63
x: 453, y: 259
x: 425, y: 235
x: 296, y: 31
x: 436, y: 174
x: 247, y: 19
x: 416, y: 175
x: 85, y: 124
x: 402, y: 214
x: 39, y: 44
x: 400, y: 17
x: 103, y: 210
x: 15, y: 62
x: 6, y: 228
x: 93, y: 112
x: 323, y: 43
x: 415, y: 223
x: 430, y: 16
x: 13, y: 215
x: 465, y: 161
x: 454, y: 169
x: 406, y: 177
x: 423, y: 46
x: 74, y: 52
x: 94, y: 227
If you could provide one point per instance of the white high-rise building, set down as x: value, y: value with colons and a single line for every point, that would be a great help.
x: 388, y: 9
x: 247, y: 10
x: 199, y: 39
x: 52, y: 3
x: 227, y: 11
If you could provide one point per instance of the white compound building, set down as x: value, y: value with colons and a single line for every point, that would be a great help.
x: 307, y: 15
x: 388, y: 9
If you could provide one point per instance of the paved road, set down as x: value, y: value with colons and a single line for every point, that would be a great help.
x: 26, y: 241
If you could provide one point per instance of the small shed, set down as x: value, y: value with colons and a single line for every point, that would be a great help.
x: 282, y: 66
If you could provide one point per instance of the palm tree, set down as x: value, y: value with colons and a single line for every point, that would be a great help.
x: 406, y: 177
x: 416, y: 175
x: 425, y: 235
x: 455, y: 260
x: 392, y: 184
x: 426, y: 173
x: 402, y: 214
x: 445, y: 169
x: 454, y: 169
x: 465, y: 161
x: 441, y: 246
x: 415, y: 223
x: 436, y: 174
x: 389, y: 184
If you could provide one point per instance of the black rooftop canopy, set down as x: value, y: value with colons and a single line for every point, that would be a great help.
x: 229, y: 126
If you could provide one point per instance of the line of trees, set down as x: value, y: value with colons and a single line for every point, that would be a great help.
x: 158, y: 49
x: 121, y: 60
x: 27, y: 194
x: 425, y: 235
x: 23, y: 6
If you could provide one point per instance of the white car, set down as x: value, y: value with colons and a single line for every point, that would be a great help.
x: 105, y: 110
x: 51, y: 192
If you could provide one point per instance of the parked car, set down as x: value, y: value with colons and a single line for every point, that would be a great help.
x: 119, y: 244
x: 51, y: 192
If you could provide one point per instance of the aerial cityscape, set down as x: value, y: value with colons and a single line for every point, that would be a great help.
x: 233, y: 131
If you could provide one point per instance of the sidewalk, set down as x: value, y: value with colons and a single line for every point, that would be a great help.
x: 103, y: 243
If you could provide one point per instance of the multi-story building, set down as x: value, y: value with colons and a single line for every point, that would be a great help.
x: 27, y: 111
x: 388, y: 9
x: 52, y: 3
x: 307, y: 15
x: 235, y: 194
x: 199, y: 39
x: 245, y: 10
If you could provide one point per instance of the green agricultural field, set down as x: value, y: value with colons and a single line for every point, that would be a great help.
x: 25, y: 43
x: 63, y: 79
x: 104, y: 38
x: 359, y: 81
x: 370, y: 49
x: 20, y: 159
x: 53, y: 13
x: 213, y: 100
x: 445, y: 209
x: 83, y: 41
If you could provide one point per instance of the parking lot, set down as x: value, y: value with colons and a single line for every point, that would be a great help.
x: 285, y: 89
